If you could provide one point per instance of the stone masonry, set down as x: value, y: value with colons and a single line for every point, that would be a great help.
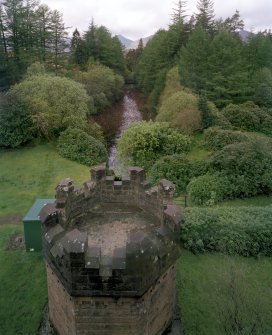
x: 110, y: 249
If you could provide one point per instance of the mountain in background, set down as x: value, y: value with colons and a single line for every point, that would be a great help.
x: 245, y: 35
x: 126, y: 42
x: 129, y: 44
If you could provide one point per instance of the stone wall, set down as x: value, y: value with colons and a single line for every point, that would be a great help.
x: 150, y: 314
x: 111, y: 248
x: 133, y: 190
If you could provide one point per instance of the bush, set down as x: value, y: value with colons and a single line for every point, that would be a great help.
x: 158, y: 88
x: 16, y: 127
x: 53, y: 103
x: 93, y: 129
x: 263, y: 95
x: 176, y: 168
x: 78, y: 146
x: 245, y: 231
x: 144, y: 142
x: 172, y: 84
x: 249, y: 116
x: 219, y: 119
x: 208, y: 189
x: 102, y: 85
x: 216, y: 138
x: 248, y: 166
x: 181, y: 111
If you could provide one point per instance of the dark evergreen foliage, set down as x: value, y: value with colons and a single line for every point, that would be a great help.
x: 29, y: 32
x: 177, y: 168
x: 206, y: 115
x: 77, y: 145
x: 205, y: 15
x: 97, y: 44
x: 249, y: 117
x: 16, y: 126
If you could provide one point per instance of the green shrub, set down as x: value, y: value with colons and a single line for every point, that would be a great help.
x: 216, y: 138
x: 93, y: 129
x: 16, y: 126
x: 181, y: 111
x: 249, y: 116
x: 53, y: 103
x: 78, y: 146
x: 263, y: 95
x: 102, y: 85
x: 172, y: 84
x: 176, y: 168
x: 219, y: 119
x: 158, y: 88
x: 144, y: 142
x: 248, y: 166
x: 245, y: 231
x: 208, y: 189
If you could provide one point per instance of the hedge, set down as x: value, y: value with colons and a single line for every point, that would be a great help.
x: 216, y: 138
x: 246, y: 231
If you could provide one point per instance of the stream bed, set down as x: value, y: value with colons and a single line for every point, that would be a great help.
x: 116, y: 119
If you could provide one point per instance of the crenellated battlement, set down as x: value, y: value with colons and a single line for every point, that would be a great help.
x: 111, y: 237
x: 111, y: 248
x: 134, y: 190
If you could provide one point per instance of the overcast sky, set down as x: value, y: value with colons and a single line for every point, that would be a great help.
x: 141, y: 18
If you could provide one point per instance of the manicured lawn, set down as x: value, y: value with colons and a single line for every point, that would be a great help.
x: 23, y: 288
x: 220, y: 294
x: 30, y: 173
x: 260, y: 200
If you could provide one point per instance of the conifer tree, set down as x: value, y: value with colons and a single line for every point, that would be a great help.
x: 77, y: 48
x: 234, y: 23
x: 205, y: 15
x: 179, y: 11
x: 58, y: 39
x: 227, y: 73
x: 44, y: 32
x: 3, y: 42
x: 194, y: 60
x: 206, y: 115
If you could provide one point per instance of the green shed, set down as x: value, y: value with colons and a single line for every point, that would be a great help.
x: 32, y: 225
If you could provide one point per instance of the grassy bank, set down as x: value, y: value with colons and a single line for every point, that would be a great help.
x: 225, y: 295
x: 23, y: 289
x: 30, y: 173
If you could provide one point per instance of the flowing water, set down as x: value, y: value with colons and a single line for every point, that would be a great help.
x: 117, y: 119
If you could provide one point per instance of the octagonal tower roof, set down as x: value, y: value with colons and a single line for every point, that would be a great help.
x: 111, y: 237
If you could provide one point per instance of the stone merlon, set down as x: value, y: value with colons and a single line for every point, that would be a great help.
x: 109, y: 237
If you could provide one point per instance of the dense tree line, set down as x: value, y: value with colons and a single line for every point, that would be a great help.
x: 54, y: 86
x: 201, y: 77
x: 29, y: 32
x: 32, y: 32
x: 97, y: 44
x: 213, y: 60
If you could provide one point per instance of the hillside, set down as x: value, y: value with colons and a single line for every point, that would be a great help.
x: 129, y: 44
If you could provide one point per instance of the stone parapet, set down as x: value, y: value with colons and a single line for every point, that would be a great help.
x: 111, y: 237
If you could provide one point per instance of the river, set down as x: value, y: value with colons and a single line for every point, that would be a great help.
x: 116, y: 119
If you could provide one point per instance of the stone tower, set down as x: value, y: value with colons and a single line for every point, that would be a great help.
x: 110, y: 249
